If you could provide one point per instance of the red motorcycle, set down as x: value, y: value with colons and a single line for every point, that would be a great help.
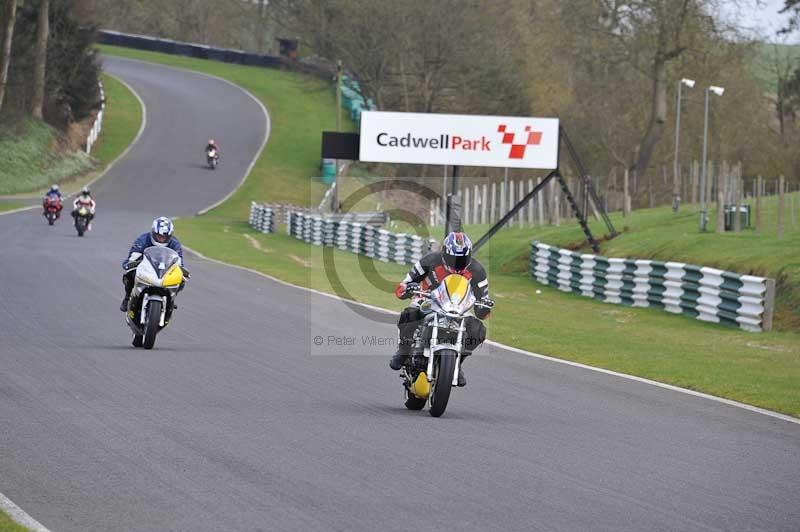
x: 52, y: 209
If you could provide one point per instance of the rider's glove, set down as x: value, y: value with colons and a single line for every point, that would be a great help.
x: 406, y: 290
x: 486, y: 302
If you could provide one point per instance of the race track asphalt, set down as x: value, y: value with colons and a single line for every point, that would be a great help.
x: 236, y: 421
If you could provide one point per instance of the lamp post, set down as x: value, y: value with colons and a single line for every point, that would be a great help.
x: 703, y: 218
x: 676, y: 167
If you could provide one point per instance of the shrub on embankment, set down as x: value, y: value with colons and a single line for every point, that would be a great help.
x: 34, y: 155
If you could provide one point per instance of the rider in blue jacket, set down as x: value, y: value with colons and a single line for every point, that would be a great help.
x: 160, y: 235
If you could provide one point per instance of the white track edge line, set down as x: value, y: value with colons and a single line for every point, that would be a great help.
x: 12, y: 211
x: 116, y: 159
x: 20, y: 516
x: 267, y: 118
x: 516, y: 350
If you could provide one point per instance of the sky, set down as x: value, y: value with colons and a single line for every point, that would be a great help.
x: 761, y: 16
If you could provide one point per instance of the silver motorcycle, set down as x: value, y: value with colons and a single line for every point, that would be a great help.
x: 432, y: 370
x: 159, y: 278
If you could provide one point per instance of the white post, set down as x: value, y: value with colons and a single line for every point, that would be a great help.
x: 511, y: 202
x: 483, y: 204
x: 466, y: 206
x: 530, y: 203
x: 521, y: 214
x: 476, y: 202
x: 502, y: 201
x: 493, y: 210
x: 540, y: 202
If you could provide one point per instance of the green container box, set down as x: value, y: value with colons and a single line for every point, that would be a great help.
x: 744, y: 216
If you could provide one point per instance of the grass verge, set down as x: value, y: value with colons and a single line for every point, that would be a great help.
x: 123, y: 116
x: 32, y: 159
x: 760, y: 369
x: 8, y: 525
x: 30, y: 163
x: 10, y: 206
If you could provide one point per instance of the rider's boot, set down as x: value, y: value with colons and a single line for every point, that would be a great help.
x: 400, y: 357
x: 124, y: 305
x: 462, y: 380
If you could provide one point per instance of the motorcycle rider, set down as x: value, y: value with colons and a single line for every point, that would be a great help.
x: 84, y: 199
x: 53, y: 193
x: 455, y: 256
x: 212, y: 145
x: 160, y: 235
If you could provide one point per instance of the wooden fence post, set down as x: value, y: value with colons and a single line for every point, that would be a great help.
x: 721, y: 186
x: 465, y: 195
x: 484, y: 197
x: 540, y: 203
x: 626, y: 199
x: 737, y: 201
x: 759, y: 184
x: 779, y: 222
x: 503, y: 200
x: 493, y: 210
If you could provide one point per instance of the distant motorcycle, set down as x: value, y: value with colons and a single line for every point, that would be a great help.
x: 212, y: 157
x: 159, y: 277
x: 52, y: 209
x: 432, y: 370
x: 82, y: 218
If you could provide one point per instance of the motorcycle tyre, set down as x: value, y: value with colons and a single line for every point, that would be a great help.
x: 440, y: 394
x: 151, y: 324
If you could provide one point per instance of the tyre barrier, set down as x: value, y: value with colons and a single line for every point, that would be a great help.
x: 707, y: 294
x: 262, y: 218
x: 361, y: 238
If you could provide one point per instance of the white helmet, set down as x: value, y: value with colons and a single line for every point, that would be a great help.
x: 161, y: 232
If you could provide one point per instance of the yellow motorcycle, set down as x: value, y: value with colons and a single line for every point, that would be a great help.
x: 432, y: 370
x: 159, y: 278
x: 82, y: 220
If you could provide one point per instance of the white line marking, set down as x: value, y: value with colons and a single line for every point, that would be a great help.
x: 519, y: 351
x: 12, y: 211
x: 19, y: 516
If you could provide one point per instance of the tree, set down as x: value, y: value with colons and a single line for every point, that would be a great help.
x: 792, y: 8
x: 40, y: 67
x: 5, y: 57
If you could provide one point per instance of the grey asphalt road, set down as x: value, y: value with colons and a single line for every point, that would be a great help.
x: 236, y: 421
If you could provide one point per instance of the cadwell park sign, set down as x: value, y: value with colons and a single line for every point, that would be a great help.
x: 463, y: 140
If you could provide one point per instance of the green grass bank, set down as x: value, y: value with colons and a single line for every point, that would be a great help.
x: 760, y: 369
x: 8, y: 525
x: 32, y: 156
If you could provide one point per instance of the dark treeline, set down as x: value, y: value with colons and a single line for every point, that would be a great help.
x: 50, y: 69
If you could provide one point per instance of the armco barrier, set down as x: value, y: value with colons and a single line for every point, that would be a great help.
x: 360, y: 238
x: 262, y: 218
x: 201, y: 51
x: 708, y: 294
